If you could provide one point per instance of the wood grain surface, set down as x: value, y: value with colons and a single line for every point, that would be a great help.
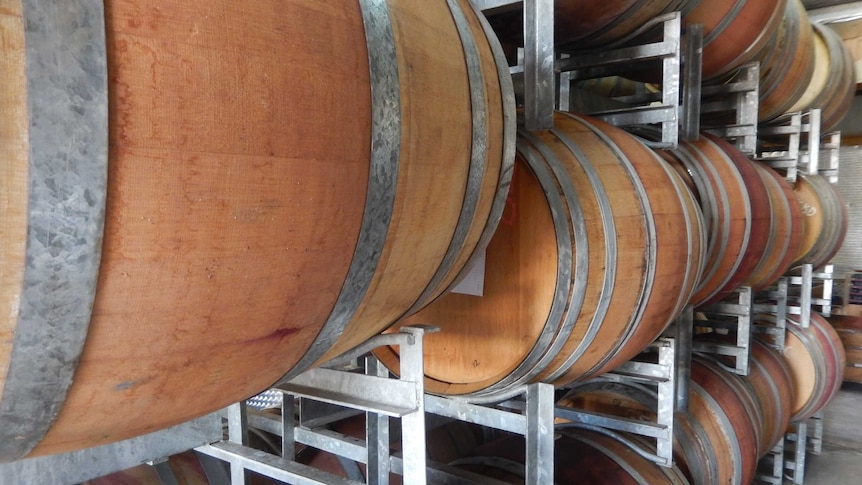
x: 240, y: 139
x: 785, y: 230
x: 734, y: 31
x: 14, y: 150
x: 484, y: 339
x: 735, y: 209
x: 826, y: 219
x: 786, y: 63
x: 816, y: 359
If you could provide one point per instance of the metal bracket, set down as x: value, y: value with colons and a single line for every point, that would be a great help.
x: 670, y: 375
x: 796, y: 443
x: 533, y: 418
x: 373, y: 393
x: 679, y: 76
x: 733, y: 314
x: 741, y: 96
x: 537, y: 67
x: 773, y: 301
x: 802, y: 148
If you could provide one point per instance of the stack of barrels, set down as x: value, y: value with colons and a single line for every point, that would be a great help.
x: 223, y: 201
x: 732, y: 421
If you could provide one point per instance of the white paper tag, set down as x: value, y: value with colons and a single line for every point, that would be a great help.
x: 473, y: 282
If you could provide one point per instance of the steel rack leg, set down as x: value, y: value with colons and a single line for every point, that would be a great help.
x: 535, y: 422
x: 237, y: 431
x: 375, y: 394
x: 796, y: 467
x: 682, y: 365
x: 377, y: 433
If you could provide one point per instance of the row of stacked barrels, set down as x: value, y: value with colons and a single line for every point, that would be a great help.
x: 198, y: 206
x: 803, y: 65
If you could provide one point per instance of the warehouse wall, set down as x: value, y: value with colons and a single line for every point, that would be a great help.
x: 849, y: 182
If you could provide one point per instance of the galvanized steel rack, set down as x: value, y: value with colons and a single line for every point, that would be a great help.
x: 674, y: 109
x: 528, y: 411
x: 670, y: 375
x: 374, y: 393
x: 800, y: 146
x: 545, y: 76
x: 734, y: 314
x: 739, y: 96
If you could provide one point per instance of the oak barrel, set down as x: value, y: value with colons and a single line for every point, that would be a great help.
x: 203, y: 197
x: 583, y: 24
x: 825, y: 214
x: 816, y: 359
x: 770, y: 379
x: 786, y: 63
x: 833, y: 84
x: 580, y: 456
x: 735, y: 207
x: 734, y: 31
x: 769, y: 382
x: 586, y: 24
x: 715, y: 442
x: 600, y: 249
x: 849, y: 330
x: 786, y: 226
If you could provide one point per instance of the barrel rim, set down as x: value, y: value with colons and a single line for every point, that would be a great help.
x: 67, y: 79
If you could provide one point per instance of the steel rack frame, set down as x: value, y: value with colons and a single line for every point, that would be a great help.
x: 674, y: 109
x: 381, y: 398
x: 734, y: 313
x: 740, y: 96
x: 802, y: 147
x: 374, y: 393
x: 547, y: 74
x: 795, y: 443
x: 670, y: 374
x: 773, y: 300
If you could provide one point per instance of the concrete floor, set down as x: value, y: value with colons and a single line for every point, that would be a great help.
x: 841, y: 460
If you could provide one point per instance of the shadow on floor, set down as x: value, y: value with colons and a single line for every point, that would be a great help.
x: 841, y: 460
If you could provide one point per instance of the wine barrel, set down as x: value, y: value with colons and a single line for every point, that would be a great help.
x: 734, y: 31
x: 715, y: 441
x: 786, y: 63
x: 769, y: 377
x: 583, y: 24
x: 816, y: 359
x: 833, y: 84
x: 785, y: 230
x: 600, y: 250
x: 580, y: 456
x: 825, y: 214
x: 736, y: 210
x: 849, y: 330
x: 203, y: 197
x: 769, y: 382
